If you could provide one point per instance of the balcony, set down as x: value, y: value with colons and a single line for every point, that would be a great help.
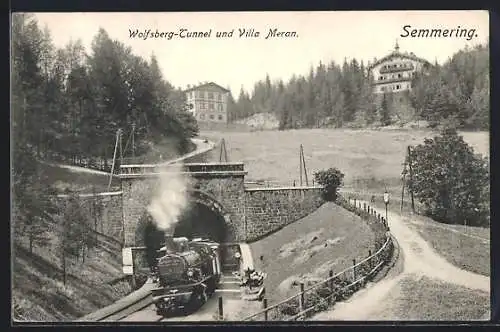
x: 400, y: 67
x: 394, y: 80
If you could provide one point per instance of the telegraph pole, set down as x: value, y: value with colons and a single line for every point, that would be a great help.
x: 411, y: 179
x: 304, y: 163
x: 121, y: 148
x: 300, y: 164
x: 133, y: 140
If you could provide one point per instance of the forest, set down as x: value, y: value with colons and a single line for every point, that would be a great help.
x: 455, y: 93
x: 68, y: 103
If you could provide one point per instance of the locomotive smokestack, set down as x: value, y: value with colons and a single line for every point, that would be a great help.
x: 170, y: 244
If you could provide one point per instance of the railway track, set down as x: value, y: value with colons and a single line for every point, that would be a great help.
x: 140, y: 307
x: 144, y: 310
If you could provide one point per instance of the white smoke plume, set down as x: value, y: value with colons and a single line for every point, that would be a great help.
x: 171, y: 198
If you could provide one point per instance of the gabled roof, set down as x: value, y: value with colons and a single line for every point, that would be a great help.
x: 210, y: 84
x: 409, y: 56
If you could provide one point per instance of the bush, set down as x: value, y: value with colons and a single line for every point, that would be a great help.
x: 290, y: 308
x: 331, y: 180
x: 450, y: 181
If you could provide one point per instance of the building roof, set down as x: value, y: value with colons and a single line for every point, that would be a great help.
x: 396, y: 53
x: 204, y: 85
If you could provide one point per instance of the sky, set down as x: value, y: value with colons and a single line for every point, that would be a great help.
x: 236, y: 62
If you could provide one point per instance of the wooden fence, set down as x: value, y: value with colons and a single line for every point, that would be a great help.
x: 336, y: 287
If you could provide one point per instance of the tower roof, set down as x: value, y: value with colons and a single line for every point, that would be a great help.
x: 396, y: 53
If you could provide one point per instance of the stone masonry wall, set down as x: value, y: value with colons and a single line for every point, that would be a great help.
x: 270, y: 209
x: 104, y: 211
x: 230, y: 192
x: 227, y: 190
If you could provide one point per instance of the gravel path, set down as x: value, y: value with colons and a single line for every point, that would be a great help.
x: 419, y: 260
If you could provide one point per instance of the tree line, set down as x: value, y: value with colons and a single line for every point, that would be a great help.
x: 334, y: 95
x: 67, y: 104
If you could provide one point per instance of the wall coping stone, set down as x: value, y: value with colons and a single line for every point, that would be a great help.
x: 283, y: 188
x: 155, y: 174
x: 113, y: 193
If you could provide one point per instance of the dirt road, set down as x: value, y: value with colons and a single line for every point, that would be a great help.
x: 420, y: 260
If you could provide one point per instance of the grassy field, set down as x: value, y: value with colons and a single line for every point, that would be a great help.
x: 443, y: 301
x: 369, y: 159
x: 329, y: 238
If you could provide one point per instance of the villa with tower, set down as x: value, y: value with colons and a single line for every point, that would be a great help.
x: 394, y: 74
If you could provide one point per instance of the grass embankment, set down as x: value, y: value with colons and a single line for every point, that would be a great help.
x: 443, y: 301
x: 39, y: 294
x: 329, y: 238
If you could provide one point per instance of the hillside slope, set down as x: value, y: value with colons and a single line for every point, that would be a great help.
x: 329, y: 238
x: 39, y: 294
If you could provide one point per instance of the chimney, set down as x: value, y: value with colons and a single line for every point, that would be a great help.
x: 170, y: 245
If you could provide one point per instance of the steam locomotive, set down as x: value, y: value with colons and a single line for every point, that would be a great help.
x: 187, y: 274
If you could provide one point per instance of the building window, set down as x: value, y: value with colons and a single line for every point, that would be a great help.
x: 210, y: 106
x: 219, y: 96
x: 210, y: 95
x: 220, y: 117
x: 399, y: 75
x: 211, y: 116
x: 382, y: 89
x: 202, y: 116
x: 219, y: 107
x: 200, y: 94
x: 398, y: 87
x: 381, y: 78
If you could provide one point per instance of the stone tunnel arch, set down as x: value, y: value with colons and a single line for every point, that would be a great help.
x: 204, y: 217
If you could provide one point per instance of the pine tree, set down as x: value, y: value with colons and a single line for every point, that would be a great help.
x: 385, y: 111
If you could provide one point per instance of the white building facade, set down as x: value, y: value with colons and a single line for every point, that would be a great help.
x: 208, y: 102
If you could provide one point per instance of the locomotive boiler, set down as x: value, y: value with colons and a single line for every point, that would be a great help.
x: 187, y: 274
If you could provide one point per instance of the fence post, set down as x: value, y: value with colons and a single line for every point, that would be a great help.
x: 221, y: 309
x: 378, y: 217
x: 265, y: 309
x: 364, y: 207
x: 355, y: 203
x: 301, y: 298
x: 330, y: 284
x: 370, y: 259
x: 354, y: 270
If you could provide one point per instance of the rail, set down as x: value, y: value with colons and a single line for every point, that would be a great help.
x: 124, y: 307
x: 129, y: 304
x: 339, y: 286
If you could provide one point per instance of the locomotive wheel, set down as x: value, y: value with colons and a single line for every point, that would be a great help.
x: 203, y: 297
x: 198, y: 300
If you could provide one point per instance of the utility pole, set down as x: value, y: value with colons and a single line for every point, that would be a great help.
x: 121, y: 147
x: 304, y: 163
x: 411, y: 178
x: 403, y: 178
x: 300, y: 164
x: 118, y: 133
x: 133, y: 140
x: 223, y: 148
